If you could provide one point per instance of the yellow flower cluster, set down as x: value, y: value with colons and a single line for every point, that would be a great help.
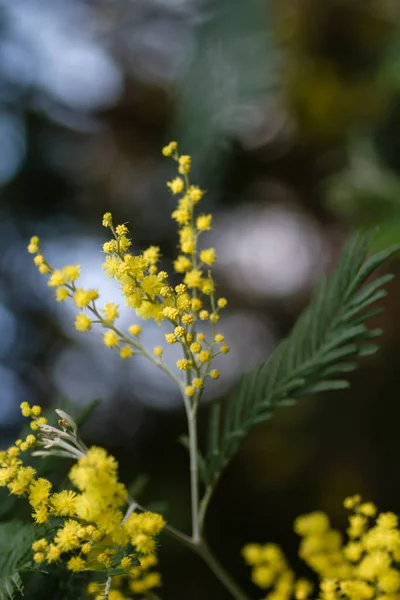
x: 271, y: 571
x: 147, y: 290
x: 363, y: 567
x: 94, y: 534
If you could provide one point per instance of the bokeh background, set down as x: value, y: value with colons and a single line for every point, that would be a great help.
x: 291, y: 112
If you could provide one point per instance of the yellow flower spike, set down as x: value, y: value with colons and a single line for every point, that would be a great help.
x: 82, y: 323
x: 61, y: 294
x: 176, y: 185
x: 207, y: 256
x: 126, y: 352
x: 158, y: 351
x: 107, y: 220
x: 135, y: 330
x: 110, y: 339
x: 203, y: 222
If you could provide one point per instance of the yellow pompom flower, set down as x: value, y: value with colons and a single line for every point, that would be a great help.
x: 190, y: 391
x: 71, y: 272
x: 43, y: 269
x: 111, y: 312
x: 121, y: 230
x: 107, y: 219
x: 222, y: 302
x: 82, y: 323
x: 61, y: 294
x: 110, y: 247
x: 158, y: 351
x: 110, y: 339
x: 82, y: 298
x: 184, y: 365
x: 219, y: 338
x: 179, y: 331
x: 39, y: 260
x: 198, y: 383
x: 203, y: 356
x: 184, y: 164
x: 135, y: 330
x: 176, y: 185
x: 63, y: 503
x: 25, y: 409
x: 203, y: 222
x: 170, y: 338
x: 33, y: 247
x: 225, y: 349
x: 76, y: 564
x: 214, y: 374
x: 182, y: 264
x: 194, y: 278
x: 126, y: 352
x: 170, y: 149
x: 56, y: 279
x: 204, y: 315
x: 207, y: 256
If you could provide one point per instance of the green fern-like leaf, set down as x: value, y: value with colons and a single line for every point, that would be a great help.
x: 315, y: 357
x: 16, y: 540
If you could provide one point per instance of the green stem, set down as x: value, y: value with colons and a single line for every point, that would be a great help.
x: 194, y: 474
x: 204, y: 505
x: 221, y: 574
x: 107, y: 588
